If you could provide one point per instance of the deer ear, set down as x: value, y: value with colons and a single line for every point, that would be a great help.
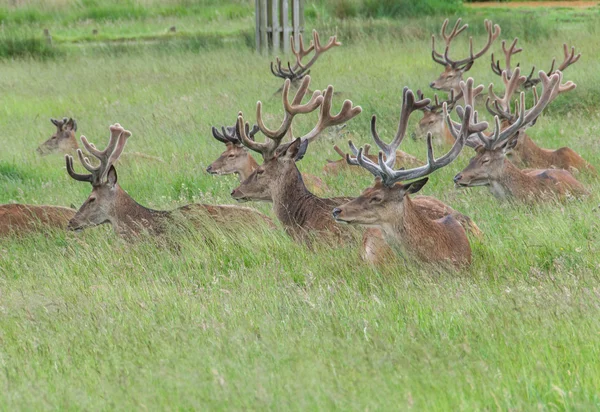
x: 292, y: 150
x: 112, y: 176
x: 414, y: 187
x: 301, y: 150
x: 56, y: 123
x: 71, y: 125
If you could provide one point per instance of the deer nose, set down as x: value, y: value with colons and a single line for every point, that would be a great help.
x: 457, y: 178
x: 432, y: 85
x: 209, y: 169
x: 336, y: 212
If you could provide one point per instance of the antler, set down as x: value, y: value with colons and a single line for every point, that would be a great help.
x: 445, y: 60
x: 326, y: 119
x: 508, y: 53
x: 437, y: 106
x: 229, y: 134
x: 107, y: 157
x: 299, y: 70
x: 386, y: 159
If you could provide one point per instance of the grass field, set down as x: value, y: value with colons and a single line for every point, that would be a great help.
x: 90, y: 321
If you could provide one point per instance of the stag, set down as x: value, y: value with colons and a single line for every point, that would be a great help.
x: 300, y: 70
x: 525, y: 153
x: 20, y: 219
x: 433, y: 119
x: 63, y: 140
x: 237, y: 160
x: 491, y: 168
x: 454, y: 69
x: 388, y: 206
x: 109, y: 203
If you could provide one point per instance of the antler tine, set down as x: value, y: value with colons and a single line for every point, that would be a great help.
x: 362, y: 160
x: 508, y: 53
x: 409, y: 105
x: 493, y: 33
x: 326, y: 119
x: 474, y: 136
x: 569, y: 59
x: 73, y: 174
x: 220, y: 137
x: 511, y: 85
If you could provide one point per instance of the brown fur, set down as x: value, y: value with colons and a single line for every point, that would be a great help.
x: 18, y: 218
x: 433, y: 122
x: 63, y: 140
x: 527, y: 154
x: 491, y: 168
x: 412, y: 227
x: 448, y: 80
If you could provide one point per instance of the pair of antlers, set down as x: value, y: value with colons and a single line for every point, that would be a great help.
x: 319, y: 100
x: 229, y: 135
x: 466, y: 63
x: 107, y: 157
x: 300, y: 70
x: 569, y: 58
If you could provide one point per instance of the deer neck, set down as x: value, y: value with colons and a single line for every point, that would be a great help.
x: 512, y: 182
x: 532, y: 153
x: 247, y: 170
x: 293, y: 203
x: 129, y: 217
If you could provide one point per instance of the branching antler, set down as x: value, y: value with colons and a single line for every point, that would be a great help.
x: 326, y: 119
x: 466, y: 63
x: 299, y: 70
x: 107, y: 157
x: 229, y: 135
x: 387, y: 155
x: 437, y: 106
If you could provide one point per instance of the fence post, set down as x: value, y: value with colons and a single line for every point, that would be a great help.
x: 296, y: 22
x: 273, y: 29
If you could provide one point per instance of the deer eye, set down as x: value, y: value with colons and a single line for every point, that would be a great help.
x: 259, y: 172
x: 485, y: 160
x: 231, y: 156
x: 375, y: 199
x: 92, y: 199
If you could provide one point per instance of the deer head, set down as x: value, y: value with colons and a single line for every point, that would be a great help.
x: 433, y: 120
x: 100, y: 207
x: 488, y: 163
x: 384, y: 202
x: 235, y: 159
x: 279, y: 170
x: 63, y: 140
x: 454, y: 69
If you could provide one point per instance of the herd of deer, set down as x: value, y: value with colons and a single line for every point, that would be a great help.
x: 418, y: 227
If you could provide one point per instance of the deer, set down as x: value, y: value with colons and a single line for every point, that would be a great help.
x: 490, y: 166
x: 433, y: 120
x: 237, y: 160
x: 531, y: 81
x: 526, y: 153
x: 338, y: 166
x: 299, y: 70
x: 20, y: 218
x: 63, y: 140
x: 454, y: 69
x: 388, y: 205
x: 110, y: 204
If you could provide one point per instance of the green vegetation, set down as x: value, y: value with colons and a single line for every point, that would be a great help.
x: 90, y: 321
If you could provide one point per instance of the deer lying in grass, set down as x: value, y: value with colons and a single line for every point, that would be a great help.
x: 109, y: 203
x: 388, y: 206
x: 433, y: 120
x: 454, y: 69
x: 525, y: 152
x: 19, y: 218
x: 63, y: 140
x: 237, y: 160
x: 491, y: 168
x: 296, y: 73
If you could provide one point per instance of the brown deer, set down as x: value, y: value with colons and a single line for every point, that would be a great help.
x: 491, y: 168
x: 63, y: 140
x: 337, y: 166
x: 236, y: 159
x: 109, y: 203
x: 433, y: 120
x: 454, y: 69
x: 388, y: 206
x: 299, y: 70
x: 525, y: 153
x: 19, y: 218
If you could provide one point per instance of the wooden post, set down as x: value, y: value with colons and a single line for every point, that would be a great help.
x: 257, y: 21
x: 275, y: 25
x: 273, y: 29
x: 264, y: 41
x: 285, y: 13
x: 296, y: 21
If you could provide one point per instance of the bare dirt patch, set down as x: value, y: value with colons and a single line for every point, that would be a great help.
x: 510, y: 5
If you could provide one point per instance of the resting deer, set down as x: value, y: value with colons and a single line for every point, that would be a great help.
x: 525, y: 152
x: 297, y: 72
x: 336, y: 166
x: 388, y: 206
x: 491, y: 168
x: 236, y: 159
x: 454, y: 69
x: 109, y: 203
x: 63, y: 140
x: 433, y: 119
x: 19, y: 218
x: 531, y: 81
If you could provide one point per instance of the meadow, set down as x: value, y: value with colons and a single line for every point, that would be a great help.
x: 91, y: 321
